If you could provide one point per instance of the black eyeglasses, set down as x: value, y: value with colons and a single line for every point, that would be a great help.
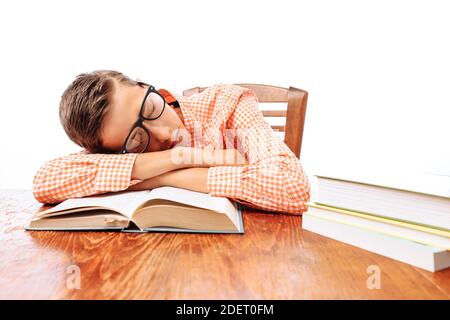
x: 152, y: 108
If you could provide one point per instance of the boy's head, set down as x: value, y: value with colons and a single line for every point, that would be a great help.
x: 98, y: 111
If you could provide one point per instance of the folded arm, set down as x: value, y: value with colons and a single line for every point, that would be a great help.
x: 83, y: 174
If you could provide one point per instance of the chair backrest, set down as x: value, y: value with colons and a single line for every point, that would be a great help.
x: 294, y: 114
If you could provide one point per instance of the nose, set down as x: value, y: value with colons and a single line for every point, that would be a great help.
x: 160, y: 133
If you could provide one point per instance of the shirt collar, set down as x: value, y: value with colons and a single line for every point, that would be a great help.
x: 170, y: 99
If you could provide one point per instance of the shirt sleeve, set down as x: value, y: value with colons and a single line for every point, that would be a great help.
x: 274, y: 179
x: 83, y: 174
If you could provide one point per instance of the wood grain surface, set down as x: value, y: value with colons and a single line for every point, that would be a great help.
x: 275, y: 259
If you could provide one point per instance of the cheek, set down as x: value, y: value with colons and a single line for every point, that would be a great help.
x: 113, y: 138
x: 171, y: 115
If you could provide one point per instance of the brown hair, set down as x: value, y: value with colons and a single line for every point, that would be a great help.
x: 84, y: 104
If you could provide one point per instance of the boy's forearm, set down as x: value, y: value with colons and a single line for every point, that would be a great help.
x: 152, y: 164
x: 194, y: 179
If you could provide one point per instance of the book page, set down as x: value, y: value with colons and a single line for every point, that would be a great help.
x: 124, y: 202
x: 194, y: 198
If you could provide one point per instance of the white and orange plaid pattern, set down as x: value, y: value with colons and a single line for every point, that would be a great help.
x: 273, y: 180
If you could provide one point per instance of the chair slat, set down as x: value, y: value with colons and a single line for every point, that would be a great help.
x: 274, y: 113
x: 279, y: 128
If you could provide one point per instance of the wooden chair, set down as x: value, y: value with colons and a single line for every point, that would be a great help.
x: 295, y: 113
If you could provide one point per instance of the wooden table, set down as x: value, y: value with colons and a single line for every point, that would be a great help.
x: 275, y: 259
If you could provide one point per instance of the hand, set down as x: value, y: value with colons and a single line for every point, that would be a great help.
x: 154, y: 182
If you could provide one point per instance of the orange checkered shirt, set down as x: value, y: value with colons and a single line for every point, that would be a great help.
x: 273, y: 180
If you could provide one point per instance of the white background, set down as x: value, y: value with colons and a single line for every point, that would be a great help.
x: 378, y: 72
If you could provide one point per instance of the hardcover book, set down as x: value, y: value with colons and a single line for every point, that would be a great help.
x: 164, y: 209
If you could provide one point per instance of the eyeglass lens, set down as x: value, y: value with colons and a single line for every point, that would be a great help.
x: 138, y: 140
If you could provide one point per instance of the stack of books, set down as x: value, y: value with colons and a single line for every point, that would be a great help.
x: 406, y: 218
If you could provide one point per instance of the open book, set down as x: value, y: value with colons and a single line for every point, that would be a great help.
x: 164, y: 209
